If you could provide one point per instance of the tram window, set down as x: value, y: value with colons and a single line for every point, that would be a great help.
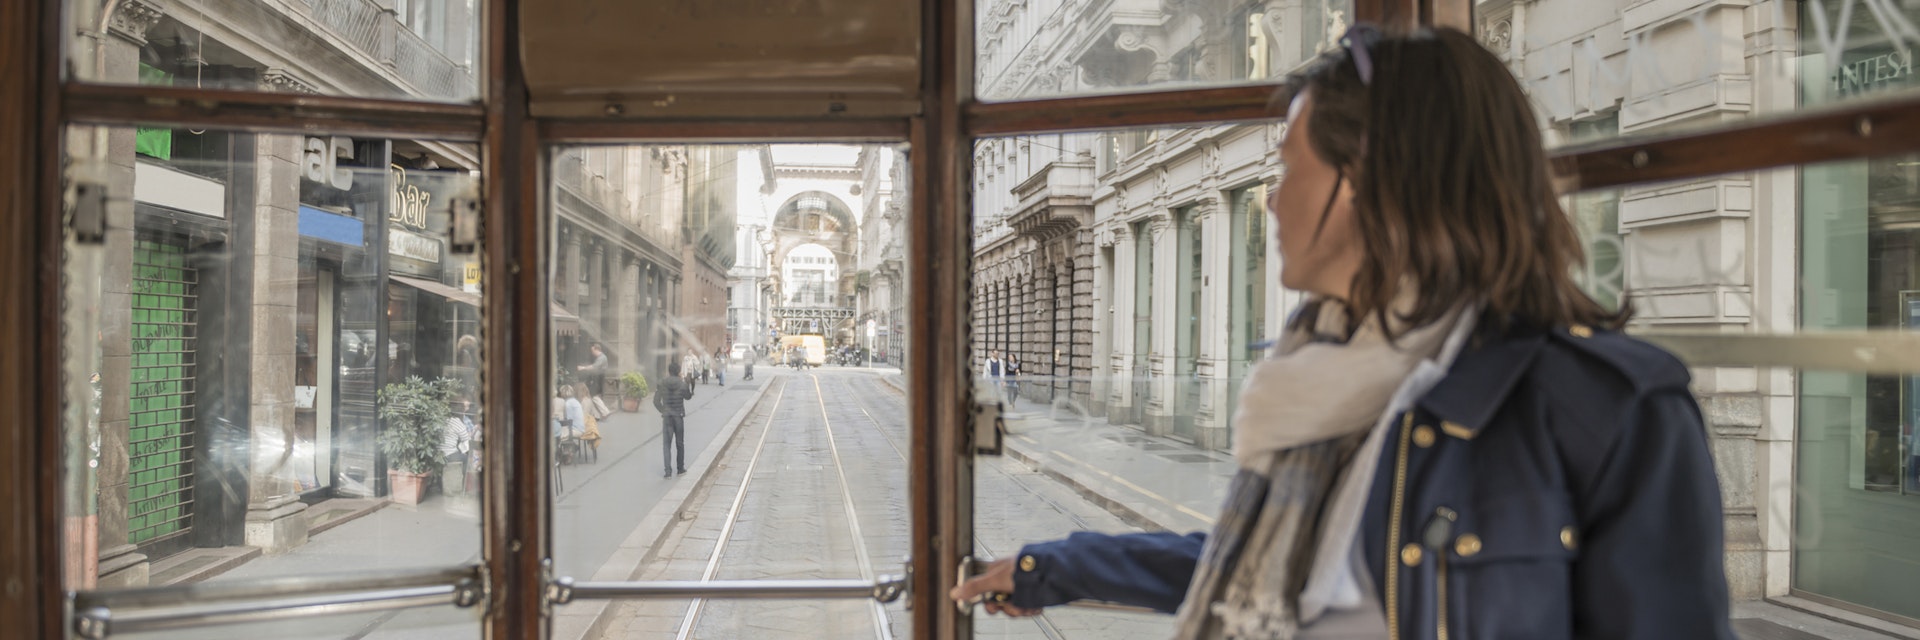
x: 417, y: 50
x: 272, y: 362
x: 771, y: 280
x: 1052, y: 48
x: 1659, y: 69
x: 1132, y: 301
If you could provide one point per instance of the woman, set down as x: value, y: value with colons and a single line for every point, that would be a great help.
x: 589, y: 425
x: 1451, y: 439
x: 1013, y: 379
x: 571, y: 424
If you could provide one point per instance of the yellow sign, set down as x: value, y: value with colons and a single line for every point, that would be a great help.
x: 472, y: 277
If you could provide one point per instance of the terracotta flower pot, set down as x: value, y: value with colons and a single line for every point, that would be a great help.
x: 407, y: 488
x: 630, y: 404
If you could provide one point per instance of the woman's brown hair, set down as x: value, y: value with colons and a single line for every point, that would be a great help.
x: 1452, y: 194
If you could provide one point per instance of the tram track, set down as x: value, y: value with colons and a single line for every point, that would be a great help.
x: 1040, y: 620
x: 717, y: 558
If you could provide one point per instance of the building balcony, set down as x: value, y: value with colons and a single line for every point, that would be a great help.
x: 376, y: 32
x: 1056, y: 201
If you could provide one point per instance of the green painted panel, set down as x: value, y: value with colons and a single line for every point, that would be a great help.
x: 160, y: 454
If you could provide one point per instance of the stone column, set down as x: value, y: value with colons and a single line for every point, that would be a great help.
x: 1212, y: 414
x: 1060, y: 356
x: 627, y: 313
x: 1166, y: 328
x: 597, y: 289
x: 568, y: 288
x: 1101, y: 333
x: 1081, y: 292
x: 106, y: 551
x: 1120, y: 362
x: 275, y: 519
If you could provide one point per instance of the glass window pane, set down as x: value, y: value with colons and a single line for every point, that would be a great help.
x: 275, y: 354
x: 418, y: 50
x: 1120, y: 411
x: 1053, y: 48
x: 1119, y: 298
x: 740, y: 312
x: 1659, y: 68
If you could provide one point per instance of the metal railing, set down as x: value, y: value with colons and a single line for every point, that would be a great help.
x: 886, y: 588
x: 102, y: 614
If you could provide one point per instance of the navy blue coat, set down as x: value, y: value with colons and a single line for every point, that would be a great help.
x: 1575, y: 467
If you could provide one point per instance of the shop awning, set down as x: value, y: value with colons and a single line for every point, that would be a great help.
x: 449, y: 292
x: 564, y: 322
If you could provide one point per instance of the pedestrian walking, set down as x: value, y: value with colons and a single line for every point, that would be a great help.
x: 456, y: 439
x: 720, y: 366
x: 671, y: 400
x: 996, y: 371
x: 595, y: 372
x: 751, y: 356
x: 1013, y: 379
x: 690, y: 364
x: 1450, y: 430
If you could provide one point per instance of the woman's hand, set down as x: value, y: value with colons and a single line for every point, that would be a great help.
x: 994, y: 584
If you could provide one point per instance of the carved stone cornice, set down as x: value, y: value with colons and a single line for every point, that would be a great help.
x: 132, y: 18
x: 282, y: 81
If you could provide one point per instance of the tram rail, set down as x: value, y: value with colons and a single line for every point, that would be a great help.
x: 882, y: 626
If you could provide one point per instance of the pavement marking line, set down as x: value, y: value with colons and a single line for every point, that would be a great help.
x: 1045, y: 625
x: 1143, y: 490
x: 883, y: 629
x: 733, y: 513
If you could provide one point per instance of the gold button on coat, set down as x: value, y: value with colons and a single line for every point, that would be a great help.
x: 1423, y: 436
x: 1566, y: 537
x: 1467, y: 545
x: 1580, y: 331
x: 1026, y: 564
x: 1410, y: 555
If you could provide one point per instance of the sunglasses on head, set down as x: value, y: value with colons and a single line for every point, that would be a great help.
x: 1359, y: 41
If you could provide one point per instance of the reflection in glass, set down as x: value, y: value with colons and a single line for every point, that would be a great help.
x: 1856, y: 460
x: 408, y: 49
x: 1051, y: 48
x: 1665, y: 68
x: 288, y: 369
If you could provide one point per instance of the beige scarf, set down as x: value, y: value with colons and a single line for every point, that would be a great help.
x: 1280, y: 555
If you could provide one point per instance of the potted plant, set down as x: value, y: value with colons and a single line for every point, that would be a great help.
x: 633, y: 389
x: 414, y: 413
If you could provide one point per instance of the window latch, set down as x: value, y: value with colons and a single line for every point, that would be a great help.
x: 465, y: 235
x: 88, y: 212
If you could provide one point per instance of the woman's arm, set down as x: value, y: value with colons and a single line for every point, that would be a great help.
x: 1140, y: 569
x: 1651, y: 541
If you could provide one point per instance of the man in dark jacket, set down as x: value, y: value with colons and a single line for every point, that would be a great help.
x: 671, y: 401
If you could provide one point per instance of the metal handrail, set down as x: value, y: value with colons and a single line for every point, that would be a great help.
x: 886, y: 588
x: 101, y: 614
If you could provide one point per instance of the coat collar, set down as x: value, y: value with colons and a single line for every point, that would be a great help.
x: 1482, y: 376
